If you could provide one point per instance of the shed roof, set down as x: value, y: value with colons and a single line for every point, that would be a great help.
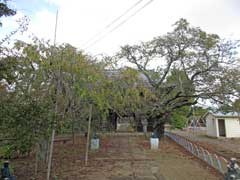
x: 225, y: 115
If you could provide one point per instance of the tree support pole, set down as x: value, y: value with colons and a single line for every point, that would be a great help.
x: 88, y: 135
x: 50, y: 154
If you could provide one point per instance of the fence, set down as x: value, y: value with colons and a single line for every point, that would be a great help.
x: 217, y: 162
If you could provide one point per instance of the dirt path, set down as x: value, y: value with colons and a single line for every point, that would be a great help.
x: 124, y: 158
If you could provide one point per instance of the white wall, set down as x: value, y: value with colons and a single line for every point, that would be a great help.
x: 212, y: 126
x: 232, y: 127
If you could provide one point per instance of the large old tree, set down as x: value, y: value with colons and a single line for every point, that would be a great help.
x: 5, y: 10
x: 183, y: 67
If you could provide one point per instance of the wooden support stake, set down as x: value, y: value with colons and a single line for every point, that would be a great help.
x: 88, y: 135
x: 36, y: 160
x: 50, y: 154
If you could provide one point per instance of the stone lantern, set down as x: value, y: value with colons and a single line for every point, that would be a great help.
x: 144, y: 124
x: 95, y: 142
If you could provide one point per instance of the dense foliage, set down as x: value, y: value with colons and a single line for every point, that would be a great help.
x: 44, y: 87
x: 5, y: 10
x: 189, y: 65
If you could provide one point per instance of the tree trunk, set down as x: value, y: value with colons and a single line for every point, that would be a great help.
x: 159, y: 129
x: 73, y: 132
x: 88, y: 135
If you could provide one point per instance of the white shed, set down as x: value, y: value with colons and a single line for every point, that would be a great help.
x: 223, y: 125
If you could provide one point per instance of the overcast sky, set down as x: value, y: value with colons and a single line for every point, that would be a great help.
x: 80, y: 20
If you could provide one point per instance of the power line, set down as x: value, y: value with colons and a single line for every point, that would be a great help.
x: 116, y: 19
x: 120, y: 24
x: 113, y: 22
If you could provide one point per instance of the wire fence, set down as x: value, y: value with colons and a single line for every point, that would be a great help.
x: 217, y: 162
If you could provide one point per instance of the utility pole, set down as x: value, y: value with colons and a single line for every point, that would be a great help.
x: 56, y: 109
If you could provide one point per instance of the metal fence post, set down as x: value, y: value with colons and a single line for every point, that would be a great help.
x: 219, y: 164
x: 191, y: 147
x: 185, y: 144
x: 210, y: 160
x: 204, y: 154
x: 187, y: 147
x: 197, y: 151
x: 181, y: 142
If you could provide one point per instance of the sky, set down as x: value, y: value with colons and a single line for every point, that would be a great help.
x: 83, y: 23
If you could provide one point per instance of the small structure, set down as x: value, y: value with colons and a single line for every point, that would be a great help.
x: 144, y: 124
x: 154, y: 141
x: 223, y: 125
x: 167, y: 126
x: 196, y: 122
x: 95, y: 142
x: 124, y: 124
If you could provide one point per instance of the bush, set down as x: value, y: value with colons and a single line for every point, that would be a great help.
x: 7, y: 151
x: 178, y: 121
